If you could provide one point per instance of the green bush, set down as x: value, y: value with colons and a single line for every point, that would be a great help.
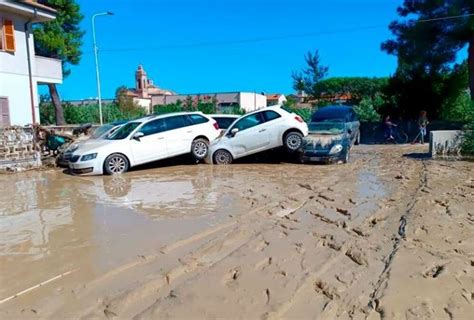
x: 459, y: 108
x: 367, y: 110
x: 88, y: 113
x: 467, y: 146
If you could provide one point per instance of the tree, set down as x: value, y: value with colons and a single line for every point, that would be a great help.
x: 428, y: 45
x: 357, y: 87
x: 307, y: 79
x: 60, y: 39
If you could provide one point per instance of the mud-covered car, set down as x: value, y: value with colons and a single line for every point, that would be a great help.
x: 327, y: 142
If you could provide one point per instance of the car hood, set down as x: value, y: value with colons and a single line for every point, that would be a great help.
x: 324, y: 141
x: 93, y: 146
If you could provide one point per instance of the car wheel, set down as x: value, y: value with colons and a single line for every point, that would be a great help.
x: 116, y: 164
x: 222, y: 157
x: 346, y: 156
x: 199, y: 148
x: 293, y: 141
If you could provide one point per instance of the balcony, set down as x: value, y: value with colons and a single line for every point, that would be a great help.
x: 47, y: 70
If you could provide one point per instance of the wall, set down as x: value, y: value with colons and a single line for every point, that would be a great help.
x: 14, y: 82
x: 247, y: 100
x: 373, y: 132
x: 17, y: 148
x: 445, y: 142
x: 250, y: 101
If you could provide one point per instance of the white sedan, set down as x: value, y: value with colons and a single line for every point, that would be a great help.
x: 146, y: 140
x: 265, y: 129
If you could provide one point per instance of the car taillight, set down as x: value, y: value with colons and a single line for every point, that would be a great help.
x: 299, y: 119
x: 216, y: 125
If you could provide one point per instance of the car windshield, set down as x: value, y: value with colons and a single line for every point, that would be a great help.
x: 326, y: 127
x: 100, y: 131
x: 124, y: 131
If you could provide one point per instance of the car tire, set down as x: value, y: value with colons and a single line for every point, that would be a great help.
x: 222, y: 156
x: 199, y: 148
x: 116, y: 163
x: 293, y: 141
x: 346, y: 156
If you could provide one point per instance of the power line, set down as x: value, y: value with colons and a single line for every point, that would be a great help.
x: 273, y: 38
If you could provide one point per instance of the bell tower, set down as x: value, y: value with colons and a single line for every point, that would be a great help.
x: 141, y: 82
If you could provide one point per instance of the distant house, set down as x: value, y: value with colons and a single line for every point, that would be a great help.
x: 20, y: 69
x: 275, y: 99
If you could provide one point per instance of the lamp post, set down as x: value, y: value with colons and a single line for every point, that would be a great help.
x: 108, y: 13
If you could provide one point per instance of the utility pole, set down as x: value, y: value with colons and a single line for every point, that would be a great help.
x: 97, y: 75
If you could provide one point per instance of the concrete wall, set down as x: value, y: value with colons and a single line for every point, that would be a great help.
x: 17, y: 148
x: 14, y: 80
x: 445, y: 142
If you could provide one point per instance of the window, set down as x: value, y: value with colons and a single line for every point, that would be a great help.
x: 153, y: 127
x: 7, y: 41
x: 176, y: 122
x: 249, y: 121
x: 124, y: 131
x: 271, y: 115
x: 198, y: 119
x: 224, y: 123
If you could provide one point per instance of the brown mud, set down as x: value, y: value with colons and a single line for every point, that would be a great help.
x: 385, y: 236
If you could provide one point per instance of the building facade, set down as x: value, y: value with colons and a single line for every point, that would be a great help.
x: 21, y: 71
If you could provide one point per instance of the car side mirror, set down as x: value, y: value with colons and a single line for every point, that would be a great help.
x: 233, y: 132
x: 138, y: 135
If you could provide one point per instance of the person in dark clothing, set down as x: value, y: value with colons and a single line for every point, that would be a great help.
x: 388, y: 128
x: 422, y: 124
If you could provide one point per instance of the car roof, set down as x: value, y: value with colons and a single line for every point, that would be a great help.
x: 166, y: 115
x: 224, y: 116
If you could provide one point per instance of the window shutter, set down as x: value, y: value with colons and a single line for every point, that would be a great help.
x: 9, y: 32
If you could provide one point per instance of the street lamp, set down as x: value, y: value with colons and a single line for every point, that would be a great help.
x: 108, y: 13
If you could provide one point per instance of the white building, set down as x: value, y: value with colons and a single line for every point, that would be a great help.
x: 20, y: 69
x: 225, y: 101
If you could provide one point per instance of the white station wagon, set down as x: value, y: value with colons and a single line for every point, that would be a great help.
x: 261, y: 130
x: 146, y: 140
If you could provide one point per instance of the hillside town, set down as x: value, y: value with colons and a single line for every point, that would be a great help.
x: 160, y: 179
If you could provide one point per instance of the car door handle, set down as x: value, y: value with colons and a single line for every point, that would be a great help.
x: 160, y: 138
x: 262, y: 130
x: 190, y: 131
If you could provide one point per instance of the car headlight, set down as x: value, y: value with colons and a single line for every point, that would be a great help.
x: 89, y: 156
x: 336, y: 149
x: 73, y: 147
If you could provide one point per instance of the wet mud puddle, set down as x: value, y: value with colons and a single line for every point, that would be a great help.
x: 52, y: 223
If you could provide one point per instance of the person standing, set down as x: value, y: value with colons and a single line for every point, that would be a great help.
x: 422, y: 124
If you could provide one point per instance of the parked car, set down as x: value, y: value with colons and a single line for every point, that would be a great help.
x: 327, y: 142
x: 258, y: 131
x: 344, y: 114
x: 99, y: 133
x: 146, y: 140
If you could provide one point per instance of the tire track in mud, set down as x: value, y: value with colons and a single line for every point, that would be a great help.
x: 199, y: 259
x: 404, y: 219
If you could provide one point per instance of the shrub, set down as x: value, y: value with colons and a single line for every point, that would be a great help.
x: 467, y: 145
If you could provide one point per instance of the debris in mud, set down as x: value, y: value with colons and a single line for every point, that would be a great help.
x: 357, y: 256
x: 325, y: 289
x: 109, y: 314
x: 267, y: 293
x: 352, y: 201
x: 172, y: 294
x: 305, y: 186
x: 325, y: 197
x: 399, y: 177
x: 435, y: 271
x: 343, y: 211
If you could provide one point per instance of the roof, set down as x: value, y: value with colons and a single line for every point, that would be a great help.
x: 34, y: 3
x: 273, y: 96
x: 34, y: 11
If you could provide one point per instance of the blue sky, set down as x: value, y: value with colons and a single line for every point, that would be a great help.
x: 196, y: 46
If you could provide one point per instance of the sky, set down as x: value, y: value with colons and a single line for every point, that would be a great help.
x: 192, y: 46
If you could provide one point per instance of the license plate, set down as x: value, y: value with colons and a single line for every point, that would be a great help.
x: 315, y: 159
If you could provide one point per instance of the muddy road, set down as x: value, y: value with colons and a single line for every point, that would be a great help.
x: 390, y: 235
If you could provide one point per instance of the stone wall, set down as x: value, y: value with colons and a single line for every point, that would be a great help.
x: 18, y: 149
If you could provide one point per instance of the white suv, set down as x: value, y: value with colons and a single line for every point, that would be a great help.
x: 265, y: 129
x: 146, y: 140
